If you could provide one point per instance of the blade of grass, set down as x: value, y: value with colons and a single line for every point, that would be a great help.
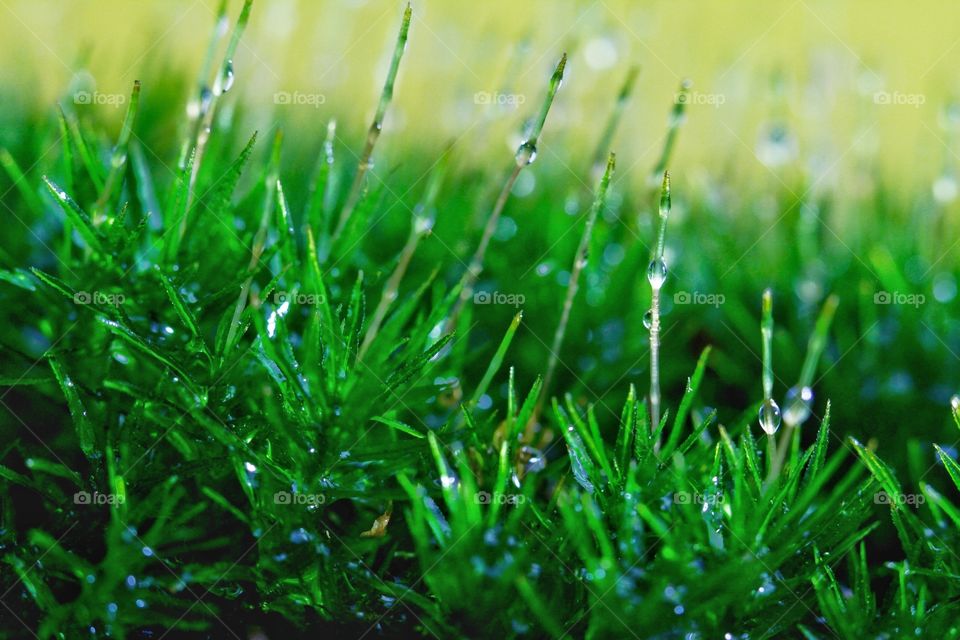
x: 118, y: 158
x: 373, y: 134
x: 579, y: 264
x: 525, y: 155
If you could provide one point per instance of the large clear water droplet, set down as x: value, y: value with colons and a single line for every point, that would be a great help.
x: 648, y: 319
x: 770, y: 416
x: 797, y: 405
x: 226, y: 81
x: 526, y: 153
x: 657, y: 272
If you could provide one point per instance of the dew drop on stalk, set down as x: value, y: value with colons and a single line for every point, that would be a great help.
x: 206, y: 97
x: 797, y: 405
x: 770, y: 416
x: 193, y: 109
x: 226, y: 80
x: 576, y: 464
x: 526, y: 153
x: 657, y: 272
x: 955, y: 403
x: 648, y: 319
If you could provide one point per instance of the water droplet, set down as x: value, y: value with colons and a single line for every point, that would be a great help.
x: 576, y: 464
x: 600, y: 53
x: 227, y: 78
x: 777, y: 146
x: 770, y: 416
x: 945, y: 189
x: 422, y: 224
x: 532, y: 460
x: 448, y: 480
x: 648, y: 319
x: 657, y: 272
x: 300, y: 536
x: 955, y: 403
x: 526, y: 153
x: 797, y: 405
x: 206, y: 97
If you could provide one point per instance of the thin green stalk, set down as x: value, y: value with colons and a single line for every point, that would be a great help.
x: 20, y: 182
x: 322, y: 188
x: 613, y: 122
x: 259, y: 241
x: 495, y: 362
x: 673, y: 128
x: 221, y: 84
x: 424, y: 216
x: 769, y: 410
x: 818, y: 340
x: 196, y: 107
x: 799, y: 400
x: 656, y: 275
x: 373, y: 134
x: 65, y: 250
x: 118, y: 160
x: 766, y: 333
x: 580, y: 260
x: 526, y: 154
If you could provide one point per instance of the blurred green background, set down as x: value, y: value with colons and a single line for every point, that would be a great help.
x: 816, y: 66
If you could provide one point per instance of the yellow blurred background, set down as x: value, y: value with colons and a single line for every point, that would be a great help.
x: 809, y: 86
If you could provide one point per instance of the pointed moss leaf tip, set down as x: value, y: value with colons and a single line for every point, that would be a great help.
x: 665, y: 196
